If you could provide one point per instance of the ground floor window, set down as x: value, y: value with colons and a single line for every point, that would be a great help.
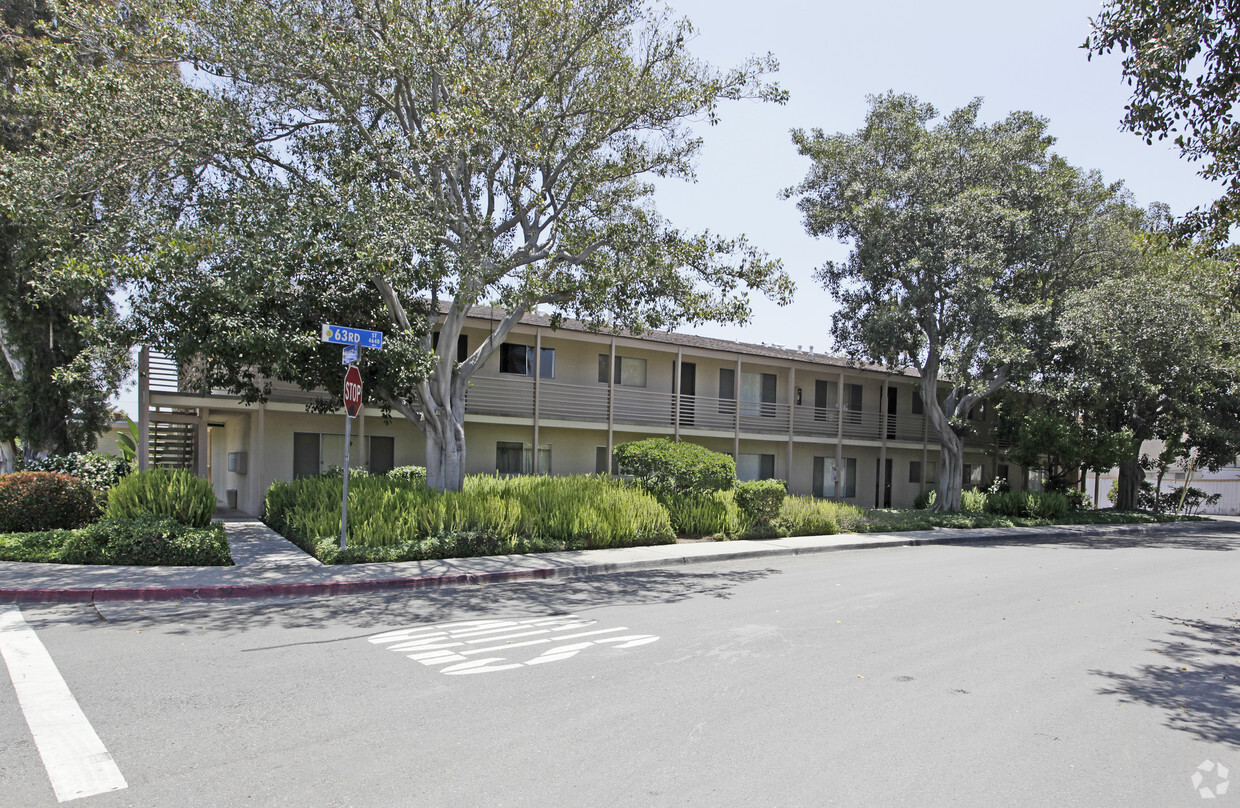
x: 517, y: 458
x: 316, y: 452
x: 601, y: 466
x: 914, y: 471
x: 381, y: 454
x: 751, y: 467
x: 827, y: 474
x: 971, y: 475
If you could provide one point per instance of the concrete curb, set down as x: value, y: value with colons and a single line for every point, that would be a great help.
x: 771, y: 548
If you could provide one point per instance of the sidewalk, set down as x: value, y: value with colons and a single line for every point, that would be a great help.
x: 267, y: 565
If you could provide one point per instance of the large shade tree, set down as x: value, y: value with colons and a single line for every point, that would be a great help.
x: 965, y: 237
x: 94, y: 124
x: 427, y: 157
x: 1181, y: 58
x: 1155, y: 354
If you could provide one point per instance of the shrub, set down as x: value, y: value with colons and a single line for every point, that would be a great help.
x: 1031, y: 504
x: 163, y: 492
x: 336, y: 472
x: 710, y: 514
x: 972, y: 501
x: 146, y: 541
x: 667, y: 467
x: 42, y: 500
x: 97, y: 470
x: 553, y: 512
x: 415, y: 473
x: 925, y: 499
x: 761, y: 500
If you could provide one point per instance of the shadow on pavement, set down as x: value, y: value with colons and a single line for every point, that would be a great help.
x: 1216, y: 542
x: 375, y: 611
x: 1196, y: 682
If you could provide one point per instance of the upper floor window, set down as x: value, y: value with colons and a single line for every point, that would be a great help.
x: 918, y: 407
x: 630, y: 371
x: 462, y: 345
x: 519, y: 360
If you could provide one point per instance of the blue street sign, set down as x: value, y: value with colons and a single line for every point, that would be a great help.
x: 349, y: 354
x: 360, y: 337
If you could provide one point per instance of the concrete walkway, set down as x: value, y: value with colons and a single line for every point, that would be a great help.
x: 270, y: 566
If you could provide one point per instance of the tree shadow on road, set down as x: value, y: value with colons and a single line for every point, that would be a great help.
x: 1214, y: 542
x: 1196, y: 682
x: 375, y: 611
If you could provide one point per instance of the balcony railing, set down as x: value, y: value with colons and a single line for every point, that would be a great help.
x: 513, y: 396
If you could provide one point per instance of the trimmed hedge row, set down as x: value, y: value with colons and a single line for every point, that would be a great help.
x: 44, y: 500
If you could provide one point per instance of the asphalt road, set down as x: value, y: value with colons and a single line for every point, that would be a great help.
x: 999, y: 675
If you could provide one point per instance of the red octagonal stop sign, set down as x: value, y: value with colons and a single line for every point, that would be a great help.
x: 352, y: 391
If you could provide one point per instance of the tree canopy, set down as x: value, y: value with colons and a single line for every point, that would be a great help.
x: 965, y: 238
x: 424, y: 158
x: 1181, y: 58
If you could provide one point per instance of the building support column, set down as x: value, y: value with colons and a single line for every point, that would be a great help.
x: 611, y: 403
x: 736, y: 415
x: 144, y: 408
x: 537, y: 378
x: 203, y: 450
x: 676, y: 395
x: 882, y: 451
x: 839, y: 437
x: 792, y: 403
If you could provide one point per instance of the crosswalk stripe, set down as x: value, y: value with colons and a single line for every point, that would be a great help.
x: 77, y: 762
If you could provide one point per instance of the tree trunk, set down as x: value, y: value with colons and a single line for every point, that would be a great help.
x: 1129, y: 484
x: 8, y: 457
x: 951, y: 473
x: 445, y: 458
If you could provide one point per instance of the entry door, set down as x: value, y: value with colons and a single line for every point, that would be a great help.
x: 882, y: 483
x: 688, y: 391
x: 892, y: 399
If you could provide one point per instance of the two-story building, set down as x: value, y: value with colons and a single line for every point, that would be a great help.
x: 557, y: 400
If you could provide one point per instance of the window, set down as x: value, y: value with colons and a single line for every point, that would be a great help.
x: 519, y: 360
x: 462, y: 346
x: 630, y: 372
x: 516, y: 458
x: 918, y: 407
x: 852, y: 397
x: 382, y: 452
x: 758, y: 388
x: 601, y: 466
x: 314, y: 453
x: 971, y: 475
x: 1001, y: 471
x: 751, y: 467
x: 826, y: 395
x: 727, y: 390
x: 825, y: 477
x: 914, y: 471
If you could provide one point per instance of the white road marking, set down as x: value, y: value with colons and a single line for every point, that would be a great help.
x: 446, y: 642
x: 76, y: 760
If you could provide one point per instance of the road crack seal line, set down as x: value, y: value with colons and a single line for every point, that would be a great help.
x: 460, y: 645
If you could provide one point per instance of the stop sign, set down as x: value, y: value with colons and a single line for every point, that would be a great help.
x: 352, y: 391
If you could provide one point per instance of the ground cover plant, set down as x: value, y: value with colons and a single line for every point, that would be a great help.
x: 144, y: 540
x: 400, y: 519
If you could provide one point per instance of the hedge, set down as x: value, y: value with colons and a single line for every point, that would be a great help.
x: 44, y: 500
x: 668, y: 467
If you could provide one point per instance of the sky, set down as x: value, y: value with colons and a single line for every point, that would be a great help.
x: 1017, y: 56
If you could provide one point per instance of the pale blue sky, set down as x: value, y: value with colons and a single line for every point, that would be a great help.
x: 1016, y: 56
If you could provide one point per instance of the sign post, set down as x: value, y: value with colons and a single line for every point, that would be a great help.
x: 352, y: 405
x: 353, y: 340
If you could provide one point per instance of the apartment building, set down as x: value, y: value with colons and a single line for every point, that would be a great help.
x: 557, y: 400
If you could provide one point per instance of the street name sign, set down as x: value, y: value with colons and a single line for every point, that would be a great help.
x: 349, y: 354
x: 343, y: 335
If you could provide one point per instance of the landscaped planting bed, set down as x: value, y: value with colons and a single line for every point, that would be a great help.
x: 141, y: 541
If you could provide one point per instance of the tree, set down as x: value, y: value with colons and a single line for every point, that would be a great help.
x: 1181, y: 58
x: 1155, y: 353
x: 965, y: 237
x: 89, y: 124
x: 1048, y: 434
x: 438, y: 155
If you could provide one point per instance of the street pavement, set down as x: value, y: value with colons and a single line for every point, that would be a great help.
x: 1068, y: 670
